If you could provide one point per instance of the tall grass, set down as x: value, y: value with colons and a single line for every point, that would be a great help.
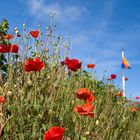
x: 36, y: 101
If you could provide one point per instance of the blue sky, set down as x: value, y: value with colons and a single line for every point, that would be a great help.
x: 98, y: 29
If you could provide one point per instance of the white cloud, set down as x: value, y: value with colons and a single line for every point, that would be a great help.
x: 105, y: 47
x: 64, y: 13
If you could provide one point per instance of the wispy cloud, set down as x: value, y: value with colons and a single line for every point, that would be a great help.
x: 40, y: 9
x: 106, y: 47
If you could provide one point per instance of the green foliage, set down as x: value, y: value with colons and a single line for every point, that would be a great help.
x: 4, y: 26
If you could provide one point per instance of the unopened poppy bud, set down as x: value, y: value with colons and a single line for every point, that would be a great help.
x: 87, y: 133
x: 48, y: 78
x: 50, y: 111
x: 9, y: 93
x: 39, y: 116
x: 46, y: 50
x: 29, y: 47
x: 29, y: 82
x: 10, y: 65
x: 33, y: 54
x: 97, y: 122
x: 44, y: 56
x: 16, y: 32
x: 24, y: 26
x: 15, y: 28
x: 47, y: 28
x: 15, y: 86
x: 54, y: 66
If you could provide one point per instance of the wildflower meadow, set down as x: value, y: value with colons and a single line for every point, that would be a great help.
x: 47, y: 95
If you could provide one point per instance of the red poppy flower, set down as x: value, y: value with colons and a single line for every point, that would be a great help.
x: 8, y: 48
x: 72, y: 64
x: 133, y: 109
x: 126, y: 78
x: 85, y: 109
x: 7, y: 36
x: 3, y: 48
x: 34, y: 33
x: 85, y: 94
x: 91, y: 66
x: 2, y: 100
x: 90, y: 99
x: 119, y: 94
x: 34, y: 64
x: 54, y: 133
x: 137, y: 97
x: 13, y: 48
x: 113, y: 76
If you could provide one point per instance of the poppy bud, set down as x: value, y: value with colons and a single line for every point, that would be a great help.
x: 9, y: 93
x: 49, y: 77
x: 87, y: 133
x: 29, y: 83
x: 97, y: 122
x: 46, y: 50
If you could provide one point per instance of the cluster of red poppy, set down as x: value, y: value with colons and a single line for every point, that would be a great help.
x: 114, y: 76
x: 34, y: 64
x: 134, y: 106
x: 33, y: 33
x: 14, y: 48
x: 8, y: 48
x: 54, y: 133
x: 87, y: 108
x: 72, y: 64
